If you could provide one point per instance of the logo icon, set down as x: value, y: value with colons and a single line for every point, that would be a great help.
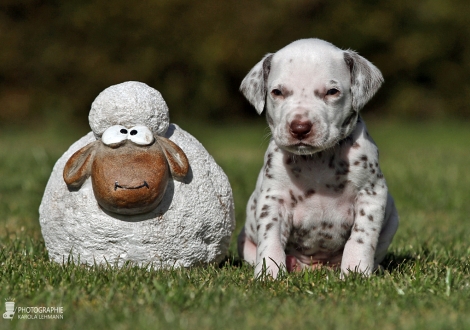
x: 10, y: 310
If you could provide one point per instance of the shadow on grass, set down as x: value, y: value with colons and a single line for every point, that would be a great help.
x: 398, y: 262
x: 231, y: 261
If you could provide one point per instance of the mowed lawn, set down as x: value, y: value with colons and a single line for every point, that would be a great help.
x: 425, y: 284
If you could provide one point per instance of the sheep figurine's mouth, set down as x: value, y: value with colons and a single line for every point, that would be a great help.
x: 117, y: 185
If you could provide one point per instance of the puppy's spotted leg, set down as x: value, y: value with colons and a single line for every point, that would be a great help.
x: 273, y: 227
x: 360, y: 249
x: 270, y: 250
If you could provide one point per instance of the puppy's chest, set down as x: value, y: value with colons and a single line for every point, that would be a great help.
x: 317, y: 201
x: 321, y: 180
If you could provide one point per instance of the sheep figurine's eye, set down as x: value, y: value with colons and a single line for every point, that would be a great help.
x: 114, y: 135
x: 141, y: 135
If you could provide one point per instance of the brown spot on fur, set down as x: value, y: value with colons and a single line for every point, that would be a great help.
x: 325, y: 235
x: 294, y: 200
x: 301, y: 233
x: 309, y: 193
x: 357, y: 229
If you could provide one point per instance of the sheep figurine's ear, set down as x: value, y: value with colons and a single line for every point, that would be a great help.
x: 78, y: 167
x: 177, y: 160
x: 254, y: 85
x: 366, y: 79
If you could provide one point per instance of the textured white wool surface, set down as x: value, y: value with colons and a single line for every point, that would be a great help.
x: 191, y: 226
x: 128, y: 104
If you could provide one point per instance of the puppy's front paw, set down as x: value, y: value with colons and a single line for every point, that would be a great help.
x: 357, y: 269
x: 269, y: 268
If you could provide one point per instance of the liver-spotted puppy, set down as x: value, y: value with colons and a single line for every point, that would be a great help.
x: 320, y: 198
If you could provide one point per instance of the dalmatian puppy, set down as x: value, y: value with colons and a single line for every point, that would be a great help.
x: 321, y: 198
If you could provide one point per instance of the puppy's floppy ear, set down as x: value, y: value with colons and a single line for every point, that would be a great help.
x: 78, y: 167
x: 253, y: 86
x: 366, y: 79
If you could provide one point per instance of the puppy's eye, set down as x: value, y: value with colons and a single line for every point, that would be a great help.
x: 332, y: 91
x: 114, y: 135
x: 276, y: 92
x: 141, y: 135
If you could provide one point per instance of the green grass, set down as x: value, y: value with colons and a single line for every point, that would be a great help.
x: 425, y: 285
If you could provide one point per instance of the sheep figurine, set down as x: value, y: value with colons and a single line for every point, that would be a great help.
x: 133, y: 156
x: 137, y: 188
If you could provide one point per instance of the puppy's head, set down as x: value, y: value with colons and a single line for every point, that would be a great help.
x: 312, y: 92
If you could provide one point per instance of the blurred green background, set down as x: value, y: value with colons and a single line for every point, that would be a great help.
x: 57, y: 56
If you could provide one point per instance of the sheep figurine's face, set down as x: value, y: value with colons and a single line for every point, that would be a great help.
x: 129, y: 168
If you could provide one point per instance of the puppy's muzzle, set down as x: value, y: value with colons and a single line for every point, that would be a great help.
x: 300, y: 129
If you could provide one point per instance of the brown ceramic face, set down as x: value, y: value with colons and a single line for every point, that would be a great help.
x: 129, y: 168
x: 129, y: 179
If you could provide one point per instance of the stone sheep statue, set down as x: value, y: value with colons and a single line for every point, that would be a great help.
x: 136, y: 188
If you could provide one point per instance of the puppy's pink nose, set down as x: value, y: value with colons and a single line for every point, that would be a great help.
x: 300, y: 129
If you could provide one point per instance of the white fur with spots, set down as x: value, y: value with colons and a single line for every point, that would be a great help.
x: 320, y: 198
